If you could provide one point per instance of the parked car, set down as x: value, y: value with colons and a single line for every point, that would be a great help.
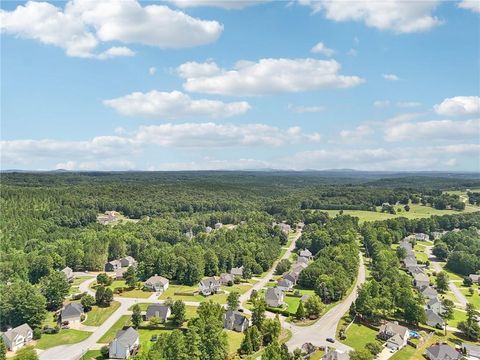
x: 330, y: 340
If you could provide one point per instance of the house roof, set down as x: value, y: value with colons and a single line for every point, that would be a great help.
x: 396, y: 340
x: 67, y: 271
x: 21, y: 330
x: 237, y: 270
x: 472, y: 350
x: 157, y: 279
x: 72, y: 309
x: 274, y: 294
x: 474, y: 277
x: 305, y: 253
x: 209, y: 281
x: 115, y: 262
x: 336, y: 355
x: 284, y: 283
x: 392, y: 328
x: 127, y: 337
x: 443, y: 352
x: 302, y: 260
x: 421, y: 277
x: 226, y: 277
x: 235, y: 317
x: 128, y: 258
x: 433, y: 317
x: 292, y: 276
x: 429, y: 292
x: 158, y: 310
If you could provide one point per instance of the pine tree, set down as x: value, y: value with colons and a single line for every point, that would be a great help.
x: 136, y: 316
x: 300, y: 314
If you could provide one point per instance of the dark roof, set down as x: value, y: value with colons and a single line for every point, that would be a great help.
x: 21, y: 330
x: 274, y: 294
x: 127, y: 337
x: 235, y: 318
x: 158, y: 310
x: 209, y: 282
x: 72, y: 309
x: 444, y: 352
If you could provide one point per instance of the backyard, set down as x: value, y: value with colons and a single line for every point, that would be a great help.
x: 98, y: 315
x: 64, y: 336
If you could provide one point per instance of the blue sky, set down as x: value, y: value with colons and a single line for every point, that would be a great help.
x: 115, y: 85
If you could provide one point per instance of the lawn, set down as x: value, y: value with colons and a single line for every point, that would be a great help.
x: 78, y: 280
x: 98, y: 315
x: 473, y: 299
x: 190, y: 311
x: 92, y: 354
x: 119, y: 325
x: 416, y: 211
x: 146, y: 336
x: 65, y: 336
x: 359, y: 335
x: 458, y: 316
x: 421, y: 257
x: 234, y: 340
x: 219, y: 298
x: 451, y: 275
x: 135, y: 293
x: 317, y: 355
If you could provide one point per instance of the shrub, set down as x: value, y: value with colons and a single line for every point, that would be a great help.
x: 37, y: 333
x: 104, y: 351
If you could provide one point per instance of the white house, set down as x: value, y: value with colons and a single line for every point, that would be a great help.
x: 68, y: 273
x: 17, y: 337
x: 306, y: 254
x: 124, y: 344
x: 274, y: 297
x: 72, y: 314
x: 161, y: 311
x: 209, y: 286
x: 157, y: 283
x: 237, y: 271
x: 284, y: 285
x: 395, y: 335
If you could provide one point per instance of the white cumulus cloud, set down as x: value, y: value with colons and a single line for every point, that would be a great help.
x: 83, y: 25
x: 320, y: 48
x: 391, y: 77
x: 224, y: 4
x: 381, y: 103
x: 301, y: 109
x: 267, y: 76
x: 473, y: 5
x: 399, y: 16
x: 459, y: 105
x: 173, y: 105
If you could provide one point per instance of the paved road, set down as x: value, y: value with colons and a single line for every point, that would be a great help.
x: 326, y: 326
x: 264, y: 281
x: 435, y: 262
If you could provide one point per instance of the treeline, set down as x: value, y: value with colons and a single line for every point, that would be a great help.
x: 333, y: 242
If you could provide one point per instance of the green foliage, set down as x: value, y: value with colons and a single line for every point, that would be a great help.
x: 442, y: 281
x: 55, y: 288
x: 271, y: 329
x: 470, y: 328
x: 130, y: 276
x: 178, y: 312
x: 300, y: 314
x: 282, y: 266
x: 26, y: 353
x: 361, y: 354
x: 136, y: 315
x: 374, y: 347
x: 233, y: 300
x: 258, y: 312
x: 87, y: 302
x: 313, y: 306
x: 103, y: 279
x: 3, y: 349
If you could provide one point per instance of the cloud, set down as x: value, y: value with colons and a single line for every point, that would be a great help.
x: 399, y: 16
x: 320, y: 48
x: 391, y: 77
x: 267, y: 76
x: 83, y: 25
x: 173, y: 105
x: 224, y: 4
x: 214, y: 164
x: 152, y: 70
x: 434, y: 130
x: 459, y: 105
x: 473, y: 5
x: 354, y: 136
x: 102, y: 165
x: 408, y: 104
x: 352, y: 52
x: 305, y: 109
x: 381, y: 103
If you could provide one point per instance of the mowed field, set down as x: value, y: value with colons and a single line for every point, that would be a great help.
x: 416, y: 212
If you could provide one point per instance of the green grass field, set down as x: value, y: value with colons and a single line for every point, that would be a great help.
x: 110, y: 334
x: 78, y: 280
x: 135, y: 293
x: 359, y: 335
x: 98, y: 315
x: 458, y: 316
x: 473, y: 299
x: 65, y: 336
x: 416, y: 211
x: 92, y: 354
x: 234, y: 340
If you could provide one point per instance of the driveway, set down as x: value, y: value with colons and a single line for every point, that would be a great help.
x: 326, y: 326
x: 437, y: 267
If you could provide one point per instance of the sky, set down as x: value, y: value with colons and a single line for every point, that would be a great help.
x: 229, y: 85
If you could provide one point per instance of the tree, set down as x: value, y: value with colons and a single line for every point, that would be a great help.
x: 99, y: 295
x: 104, y: 279
x: 467, y: 281
x: 300, y: 314
x: 3, y: 349
x: 361, y: 354
x: 55, y: 288
x: 21, y: 303
x: 313, y: 306
x: 87, y: 302
x: 233, y: 300
x: 174, y: 347
x: 258, y: 313
x: 26, y: 353
x: 272, y: 352
x: 178, y: 312
x: 255, y: 338
x: 155, y: 321
x: 246, y: 347
x: 470, y: 328
x: 107, y: 297
x: 401, y: 253
x: 271, y: 329
x: 413, y: 312
x: 130, y: 277
x: 448, y: 309
x: 136, y: 315
x: 374, y: 347
x: 283, y: 266
x: 440, y: 250
x: 406, y: 208
x: 442, y: 281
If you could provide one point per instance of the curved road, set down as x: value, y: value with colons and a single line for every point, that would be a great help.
x: 326, y: 326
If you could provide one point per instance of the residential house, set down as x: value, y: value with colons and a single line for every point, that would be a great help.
x: 128, y: 261
x: 68, y: 273
x: 396, y: 335
x: 209, y: 286
x: 410, y: 260
x: 302, y: 260
x: 284, y: 228
x: 17, y: 337
x: 433, y: 319
x: 421, y: 237
x: 227, y: 279
x: 124, y: 344
x: 236, y: 321
x: 119, y: 273
x: 292, y: 276
x: 274, y: 297
x: 334, y: 354
x: 421, y: 281
x: 416, y: 269
x: 161, y: 311
x: 475, y: 278
x: 218, y: 225
x: 284, y: 285
x: 71, y: 313
x: 471, y: 351
x: 157, y: 283
x: 113, y: 265
x: 237, y: 271
x: 298, y: 267
x: 406, y: 244
x: 429, y: 292
x: 435, y: 305
x: 442, y: 352
x: 306, y: 254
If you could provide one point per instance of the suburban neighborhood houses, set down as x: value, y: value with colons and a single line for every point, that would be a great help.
x: 17, y: 337
x: 124, y: 344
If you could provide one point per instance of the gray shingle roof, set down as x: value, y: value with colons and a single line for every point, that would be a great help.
x: 127, y: 337
x: 72, y: 309
x: 158, y: 310
x: 21, y: 330
x: 156, y: 279
x: 443, y: 352
x: 234, y: 319
x: 274, y: 294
